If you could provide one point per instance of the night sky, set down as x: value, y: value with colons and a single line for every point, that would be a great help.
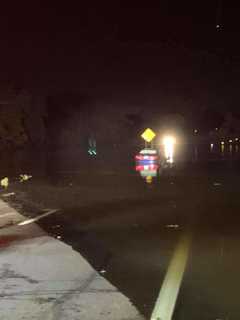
x: 192, y: 23
x: 118, y: 49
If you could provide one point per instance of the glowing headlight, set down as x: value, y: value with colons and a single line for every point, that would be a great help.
x: 169, y: 143
x: 169, y: 140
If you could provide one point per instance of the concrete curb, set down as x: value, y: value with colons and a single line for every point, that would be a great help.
x: 43, y: 278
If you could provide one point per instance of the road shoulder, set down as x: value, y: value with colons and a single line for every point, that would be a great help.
x: 42, y: 277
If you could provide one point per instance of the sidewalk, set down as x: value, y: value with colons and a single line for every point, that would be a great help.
x: 43, y: 278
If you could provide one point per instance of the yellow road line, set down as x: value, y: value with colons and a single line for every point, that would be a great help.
x: 166, y: 301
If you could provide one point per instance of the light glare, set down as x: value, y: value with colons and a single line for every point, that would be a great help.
x: 169, y: 143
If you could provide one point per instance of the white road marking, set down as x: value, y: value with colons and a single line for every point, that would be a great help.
x: 166, y: 301
x: 22, y: 223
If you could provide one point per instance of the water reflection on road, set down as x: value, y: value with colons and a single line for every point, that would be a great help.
x: 210, y: 202
x: 212, y: 151
x: 152, y: 170
x: 132, y: 234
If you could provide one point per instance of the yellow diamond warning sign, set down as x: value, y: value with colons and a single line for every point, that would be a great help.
x: 148, y: 135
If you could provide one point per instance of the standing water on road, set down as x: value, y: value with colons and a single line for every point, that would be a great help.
x: 208, y: 208
x: 132, y: 228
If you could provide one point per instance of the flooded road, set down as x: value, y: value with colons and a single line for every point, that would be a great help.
x: 131, y: 238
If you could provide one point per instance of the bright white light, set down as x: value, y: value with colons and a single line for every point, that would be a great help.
x: 169, y: 140
x: 230, y: 141
x: 222, y: 142
x: 169, y: 143
x: 211, y: 147
x: 236, y: 139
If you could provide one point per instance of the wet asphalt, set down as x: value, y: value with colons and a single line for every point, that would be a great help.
x: 130, y: 241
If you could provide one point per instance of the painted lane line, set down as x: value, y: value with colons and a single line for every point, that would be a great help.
x: 166, y: 301
x: 28, y: 221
